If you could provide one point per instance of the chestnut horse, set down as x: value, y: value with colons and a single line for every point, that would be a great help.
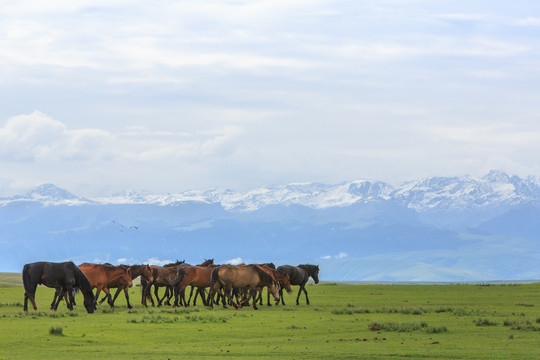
x: 103, y: 276
x: 62, y: 276
x: 282, y: 279
x: 196, y: 276
x: 250, y: 277
x: 144, y: 271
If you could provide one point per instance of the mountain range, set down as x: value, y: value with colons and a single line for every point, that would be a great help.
x: 433, y: 229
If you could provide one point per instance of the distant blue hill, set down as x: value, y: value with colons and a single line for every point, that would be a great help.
x: 438, y: 229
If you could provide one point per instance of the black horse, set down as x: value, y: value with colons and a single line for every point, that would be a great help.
x: 63, y: 276
x: 299, y: 275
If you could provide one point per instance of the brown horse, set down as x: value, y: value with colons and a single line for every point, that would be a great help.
x: 282, y: 279
x: 196, y: 276
x: 102, y: 276
x: 144, y: 271
x: 251, y: 277
x: 163, y: 276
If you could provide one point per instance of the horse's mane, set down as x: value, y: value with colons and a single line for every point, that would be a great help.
x: 82, y: 281
x: 175, y: 263
x: 263, y: 275
x: 310, y: 269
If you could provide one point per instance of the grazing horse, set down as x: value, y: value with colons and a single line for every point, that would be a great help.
x: 144, y: 271
x: 251, y: 277
x: 164, y: 276
x: 64, y: 276
x: 103, y: 276
x: 299, y: 275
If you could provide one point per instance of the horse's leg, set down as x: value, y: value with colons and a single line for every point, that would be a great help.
x: 253, y: 293
x: 299, y: 292
x: 305, y: 292
x: 71, y: 298
x: 228, y: 292
x: 170, y: 294
x: 98, y: 290
x: 156, y: 289
x: 126, y: 292
x: 201, y: 292
x: 211, y: 298
x: 281, y: 297
x: 68, y: 290
x: 190, y: 295
x: 258, y: 298
x: 268, y: 298
x: 144, y: 284
x: 106, y: 291
x: 54, y: 298
x: 59, y: 298
x: 118, y: 291
x: 147, y: 294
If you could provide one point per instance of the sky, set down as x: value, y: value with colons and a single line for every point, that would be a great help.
x: 102, y: 96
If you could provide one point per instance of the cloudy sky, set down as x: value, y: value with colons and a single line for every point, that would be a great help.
x: 102, y: 96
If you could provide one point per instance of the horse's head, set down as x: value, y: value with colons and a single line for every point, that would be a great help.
x: 147, y: 273
x: 126, y: 277
x: 273, y: 289
x: 89, y: 303
x: 285, y: 283
x: 315, y: 273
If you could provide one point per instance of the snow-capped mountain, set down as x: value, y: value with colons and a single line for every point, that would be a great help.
x: 435, y: 193
x: 438, y: 228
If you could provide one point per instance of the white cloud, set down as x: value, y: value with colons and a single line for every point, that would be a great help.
x: 39, y: 137
x: 341, y: 255
x: 235, y: 261
x: 157, y: 262
x: 244, y: 93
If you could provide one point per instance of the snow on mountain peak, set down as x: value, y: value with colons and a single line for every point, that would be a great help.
x: 420, y: 195
x: 50, y: 191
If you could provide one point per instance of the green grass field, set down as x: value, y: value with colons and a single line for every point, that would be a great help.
x: 343, y: 322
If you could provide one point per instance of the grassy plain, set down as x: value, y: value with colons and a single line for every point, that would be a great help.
x: 343, y: 322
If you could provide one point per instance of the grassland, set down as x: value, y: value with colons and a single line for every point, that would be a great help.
x: 343, y: 322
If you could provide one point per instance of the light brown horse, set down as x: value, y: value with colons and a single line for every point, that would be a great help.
x: 250, y: 277
x: 144, y: 271
x: 101, y: 276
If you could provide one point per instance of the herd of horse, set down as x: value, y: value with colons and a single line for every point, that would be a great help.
x: 235, y: 285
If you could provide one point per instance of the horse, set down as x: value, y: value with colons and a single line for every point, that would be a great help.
x: 64, y: 276
x: 251, y: 277
x: 163, y: 276
x: 103, y: 276
x: 282, y: 279
x: 299, y: 275
x: 144, y: 271
x: 196, y: 276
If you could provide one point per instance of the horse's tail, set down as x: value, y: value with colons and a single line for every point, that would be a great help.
x: 144, y: 284
x: 181, y: 273
x: 214, y: 277
x: 27, y: 279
